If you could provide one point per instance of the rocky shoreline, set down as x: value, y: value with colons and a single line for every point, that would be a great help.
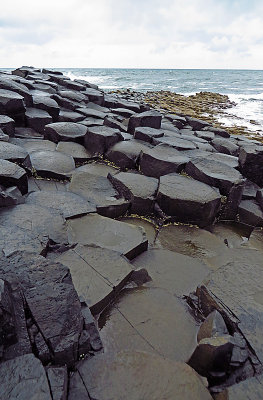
x: 131, y: 246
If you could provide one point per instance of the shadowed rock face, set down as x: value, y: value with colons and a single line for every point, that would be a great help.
x: 64, y: 256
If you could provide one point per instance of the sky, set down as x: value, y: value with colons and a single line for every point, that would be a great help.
x: 132, y: 34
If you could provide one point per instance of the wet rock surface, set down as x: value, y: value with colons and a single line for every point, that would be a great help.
x: 102, y: 201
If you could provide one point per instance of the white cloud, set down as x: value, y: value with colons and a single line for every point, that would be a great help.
x: 126, y: 33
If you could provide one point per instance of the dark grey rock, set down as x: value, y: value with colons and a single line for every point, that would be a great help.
x: 124, y: 112
x: 130, y: 105
x: 207, y: 135
x: 214, y: 325
x: 161, y: 160
x: 24, y: 71
x: 58, y: 381
x: 225, y: 146
x: 73, y: 96
x: 47, y: 104
x: 12, y: 152
x: 18, y: 88
x: 31, y: 145
x: 11, y: 103
x: 3, y: 136
x: 214, y: 173
x: 147, y: 134
x: 188, y: 200
x: 106, y: 269
x: 91, y: 112
x: 140, y: 190
x: 76, y: 150
x: 94, y: 229
x: 196, y: 124
x: 217, y: 131
x: 52, y: 164
x: 99, y: 139
x: 250, y: 213
x: 259, y: 197
x: 148, y: 118
x: 67, y: 203
x: 92, y: 122
x: 95, y: 96
x: 126, y: 154
x: 13, y: 175
x: 52, y: 300
x: 10, y: 196
x: 65, y: 131
x: 7, y: 125
x: 65, y: 102
x: 251, y: 163
x: 70, y: 116
x: 27, y: 133
x: 113, y: 123
x: 37, y: 119
x: 24, y: 378
x: 176, y: 143
x: 250, y: 191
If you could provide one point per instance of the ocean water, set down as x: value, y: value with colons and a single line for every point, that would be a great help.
x: 244, y: 87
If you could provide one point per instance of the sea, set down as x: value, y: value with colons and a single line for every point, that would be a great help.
x: 244, y: 87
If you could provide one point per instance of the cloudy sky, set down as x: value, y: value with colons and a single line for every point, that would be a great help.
x: 132, y: 33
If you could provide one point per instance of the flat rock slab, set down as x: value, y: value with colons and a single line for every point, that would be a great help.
x: 227, y: 159
x: 160, y: 318
x: 69, y: 204
x: 191, y: 241
x: 97, y: 169
x: 76, y: 150
x: 70, y: 116
x: 105, y: 232
x: 47, y: 104
x: 236, y: 269
x: 225, y: 146
x: 147, y: 134
x: 34, y: 144
x: 135, y: 375
x: 140, y: 190
x: 41, y: 221
x: 251, y: 163
x: 13, y: 238
x: 214, y: 173
x: 52, y: 164
x: 53, y: 302
x: 125, y: 154
x: 176, y: 273
x: 100, y: 138
x: 98, y: 274
x: 65, y: 131
x: 151, y: 119
x: 250, y: 389
x: 161, y: 160
x: 188, y: 200
x: 12, y: 152
x: 250, y: 213
x: 176, y: 143
x: 24, y: 378
x: 150, y: 228
x: 13, y: 175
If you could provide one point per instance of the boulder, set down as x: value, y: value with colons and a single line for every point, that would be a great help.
x: 10, y: 196
x: 161, y: 160
x: 11, y: 103
x: 37, y: 119
x: 91, y: 112
x: 137, y: 375
x: 197, y: 124
x: 105, y: 232
x: 27, y: 133
x: 214, y: 173
x: 95, y: 96
x: 176, y: 143
x: 225, y: 146
x: 148, y: 118
x: 65, y: 131
x: 7, y: 125
x: 188, y: 200
x: 214, y: 325
x: 207, y: 135
x: 250, y: 213
x: 124, y: 112
x: 52, y: 164
x: 73, y: 95
x: 125, y: 154
x: 250, y: 191
x: 114, y: 123
x: 217, y: 131
x: 147, y: 134
x: 3, y: 136
x: 31, y: 145
x: 13, y: 175
x: 58, y: 381
x: 12, y: 152
x: 98, y: 274
x: 76, y: 150
x: 67, y: 203
x: 70, y: 116
x: 17, y: 89
x: 47, y: 104
x: 140, y: 190
x: 99, y: 139
x: 251, y: 163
